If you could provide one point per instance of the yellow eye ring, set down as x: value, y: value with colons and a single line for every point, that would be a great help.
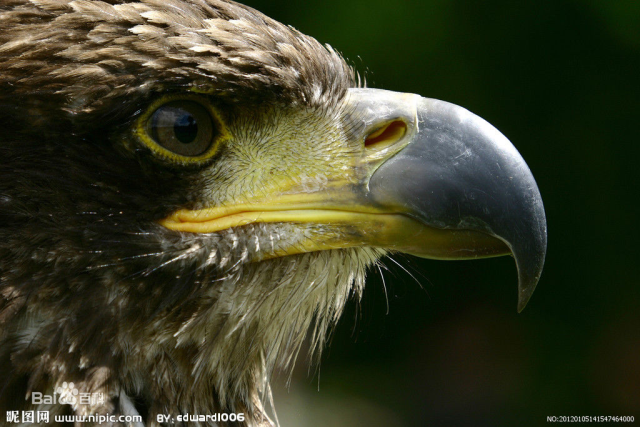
x: 182, y: 128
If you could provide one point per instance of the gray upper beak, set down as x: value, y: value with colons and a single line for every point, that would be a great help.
x: 458, y: 172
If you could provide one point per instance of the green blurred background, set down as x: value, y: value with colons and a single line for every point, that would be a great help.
x: 560, y: 79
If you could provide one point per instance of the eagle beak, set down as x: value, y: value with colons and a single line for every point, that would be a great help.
x: 459, y: 174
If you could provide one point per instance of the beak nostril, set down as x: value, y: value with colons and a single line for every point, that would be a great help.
x: 386, y: 135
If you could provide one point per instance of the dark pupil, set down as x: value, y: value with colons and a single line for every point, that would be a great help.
x: 185, y: 128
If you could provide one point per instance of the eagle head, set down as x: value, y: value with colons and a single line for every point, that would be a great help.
x: 188, y: 188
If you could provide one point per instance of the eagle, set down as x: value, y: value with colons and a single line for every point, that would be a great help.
x: 189, y: 190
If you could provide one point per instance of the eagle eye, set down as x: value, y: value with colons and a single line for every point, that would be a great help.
x: 182, y: 127
x: 183, y: 130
